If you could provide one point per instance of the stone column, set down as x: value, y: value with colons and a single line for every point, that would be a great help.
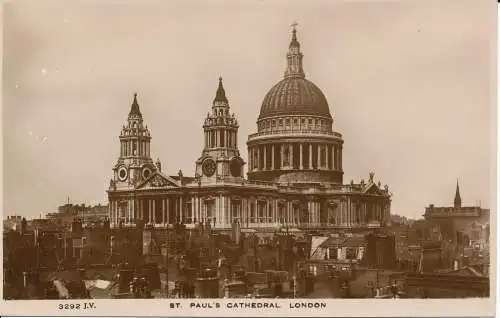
x: 193, y: 207
x: 340, y: 157
x: 114, y: 210
x: 265, y: 158
x: 244, y: 208
x: 316, y: 212
x: 163, y: 211
x: 228, y: 210
x: 133, y: 209
x: 267, y: 215
x: 319, y: 156
x: 310, y: 156
x: 327, y: 150
x: 309, y: 212
x: 258, y: 158
x: 141, y: 209
x: 110, y: 215
x: 181, y: 209
x: 272, y: 157
x: 167, y: 204
x: 149, y: 211
x: 334, y: 158
x: 301, y: 164
x: 216, y: 212
x: 290, y: 161
x: 154, y: 211
x: 250, y: 159
x: 282, y: 146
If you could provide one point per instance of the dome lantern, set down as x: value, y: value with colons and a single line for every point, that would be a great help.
x: 294, y: 94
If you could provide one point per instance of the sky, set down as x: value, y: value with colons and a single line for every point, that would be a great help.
x: 410, y: 85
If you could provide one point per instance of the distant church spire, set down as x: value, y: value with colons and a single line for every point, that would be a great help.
x: 294, y: 56
x: 458, y: 199
x: 134, y: 110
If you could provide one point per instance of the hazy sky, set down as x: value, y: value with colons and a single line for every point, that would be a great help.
x: 409, y: 83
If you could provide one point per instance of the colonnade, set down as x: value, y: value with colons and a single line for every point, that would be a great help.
x: 221, y: 210
x: 296, y: 156
x: 219, y: 138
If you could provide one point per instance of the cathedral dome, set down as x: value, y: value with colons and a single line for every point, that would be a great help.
x: 295, y: 95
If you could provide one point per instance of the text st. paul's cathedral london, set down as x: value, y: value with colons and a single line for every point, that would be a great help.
x: 295, y: 179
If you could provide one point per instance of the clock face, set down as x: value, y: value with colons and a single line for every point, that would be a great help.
x: 235, y: 167
x: 122, y: 174
x: 146, y: 173
x: 208, y: 167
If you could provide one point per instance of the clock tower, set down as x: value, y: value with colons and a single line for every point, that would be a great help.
x: 134, y: 164
x: 220, y: 160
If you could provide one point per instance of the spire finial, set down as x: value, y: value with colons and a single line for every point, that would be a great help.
x: 220, y: 96
x: 294, y: 34
x: 458, y: 199
x: 135, y: 107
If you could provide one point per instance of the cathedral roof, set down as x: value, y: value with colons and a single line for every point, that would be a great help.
x: 294, y: 95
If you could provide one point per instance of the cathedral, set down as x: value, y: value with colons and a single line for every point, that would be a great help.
x: 294, y: 179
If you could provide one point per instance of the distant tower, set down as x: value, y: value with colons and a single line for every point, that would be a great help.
x: 220, y: 158
x: 458, y: 200
x: 134, y: 164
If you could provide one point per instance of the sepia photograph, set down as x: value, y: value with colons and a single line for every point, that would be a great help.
x: 230, y: 157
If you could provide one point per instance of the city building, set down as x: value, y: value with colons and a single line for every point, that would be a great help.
x: 465, y: 225
x: 68, y: 212
x: 295, y: 176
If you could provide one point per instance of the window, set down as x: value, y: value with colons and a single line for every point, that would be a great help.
x: 288, y: 122
x: 281, y: 122
x: 333, y: 253
x: 350, y: 253
x: 274, y: 123
x: 310, y: 121
x: 295, y: 121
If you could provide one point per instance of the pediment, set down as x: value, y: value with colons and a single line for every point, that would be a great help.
x: 372, y: 188
x: 158, y: 180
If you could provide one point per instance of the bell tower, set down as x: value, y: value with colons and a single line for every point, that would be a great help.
x: 220, y: 160
x: 134, y: 163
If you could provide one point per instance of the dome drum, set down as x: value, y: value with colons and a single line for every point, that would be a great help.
x: 270, y: 159
x: 297, y: 177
